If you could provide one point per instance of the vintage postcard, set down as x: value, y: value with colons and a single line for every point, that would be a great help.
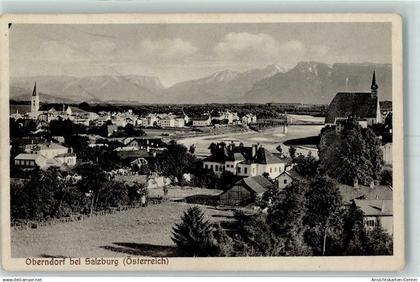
x: 202, y: 142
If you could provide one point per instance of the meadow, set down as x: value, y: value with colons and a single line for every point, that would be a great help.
x: 141, y: 231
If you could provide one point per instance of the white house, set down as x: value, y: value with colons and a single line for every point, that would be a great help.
x: 244, y: 161
x: 287, y: 177
x: 387, y: 153
x: 376, y: 212
x: 204, y: 120
x: 249, y: 119
x: 46, y: 155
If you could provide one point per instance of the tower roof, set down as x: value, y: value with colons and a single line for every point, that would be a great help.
x: 34, y: 93
x: 374, y: 86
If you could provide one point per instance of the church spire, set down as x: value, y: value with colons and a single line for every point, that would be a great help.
x: 34, y: 93
x: 34, y: 101
x: 374, y: 86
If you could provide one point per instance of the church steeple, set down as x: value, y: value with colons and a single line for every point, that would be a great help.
x: 374, y: 86
x: 34, y: 93
x: 34, y: 100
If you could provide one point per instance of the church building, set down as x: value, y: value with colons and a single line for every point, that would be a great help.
x: 364, y: 106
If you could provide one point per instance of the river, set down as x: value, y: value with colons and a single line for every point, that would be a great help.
x: 269, y: 138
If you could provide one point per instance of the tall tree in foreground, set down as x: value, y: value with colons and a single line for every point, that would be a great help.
x: 286, y: 219
x: 323, y: 216
x: 193, y: 236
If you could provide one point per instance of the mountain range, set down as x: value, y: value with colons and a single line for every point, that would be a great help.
x: 307, y: 82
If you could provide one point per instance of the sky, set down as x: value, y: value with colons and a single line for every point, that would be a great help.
x: 179, y: 52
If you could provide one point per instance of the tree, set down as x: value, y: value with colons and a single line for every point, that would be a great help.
x: 226, y: 180
x: 306, y: 166
x: 213, y: 148
x: 292, y: 152
x: 286, y: 218
x: 322, y: 216
x: 84, y: 106
x: 93, y: 184
x: 176, y: 161
x: 129, y: 129
x: 193, y: 236
x: 386, y: 177
x: 379, y: 243
x: 354, y: 235
x: 253, y: 237
x: 351, y: 154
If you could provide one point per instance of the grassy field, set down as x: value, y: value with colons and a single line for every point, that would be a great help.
x: 142, y: 232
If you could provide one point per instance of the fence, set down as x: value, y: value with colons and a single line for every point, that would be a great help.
x: 34, y: 224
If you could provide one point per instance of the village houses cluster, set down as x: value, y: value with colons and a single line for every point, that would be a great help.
x: 121, y: 119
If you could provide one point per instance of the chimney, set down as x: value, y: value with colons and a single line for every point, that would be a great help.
x: 254, y: 150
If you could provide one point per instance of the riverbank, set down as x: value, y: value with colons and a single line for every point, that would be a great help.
x: 269, y: 138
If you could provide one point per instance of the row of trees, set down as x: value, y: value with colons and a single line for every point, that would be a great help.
x: 304, y: 219
x: 47, y: 194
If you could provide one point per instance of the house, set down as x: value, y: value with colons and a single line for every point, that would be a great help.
x: 138, y: 163
x: 376, y: 212
x: 375, y: 201
x: 148, y: 144
x: 249, y: 119
x: 361, y: 105
x: 245, y: 191
x: 287, y: 177
x: 45, y: 156
x: 204, y: 120
x: 179, y: 122
x: 111, y: 129
x: 166, y: 121
x: 150, y: 120
x: 361, y: 192
x: 244, y: 161
x: 131, y: 154
x: 226, y: 117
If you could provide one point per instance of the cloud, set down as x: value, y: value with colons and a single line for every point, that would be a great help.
x: 167, y: 50
x: 61, y: 51
x: 102, y: 48
x: 317, y: 52
x: 263, y: 48
x: 243, y: 45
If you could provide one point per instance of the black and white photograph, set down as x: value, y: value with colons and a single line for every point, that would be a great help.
x: 165, y: 140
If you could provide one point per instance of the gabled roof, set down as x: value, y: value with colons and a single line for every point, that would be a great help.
x: 24, y: 156
x: 244, y: 154
x: 375, y: 207
x: 292, y: 173
x: 358, y: 104
x: 266, y: 157
x: 378, y: 192
x: 257, y: 184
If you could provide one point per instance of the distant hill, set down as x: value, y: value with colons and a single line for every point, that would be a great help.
x: 92, y: 88
x: 220, y: 87
x: 22, y: 94
x: 317, y: 83
x: 307, y: 82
